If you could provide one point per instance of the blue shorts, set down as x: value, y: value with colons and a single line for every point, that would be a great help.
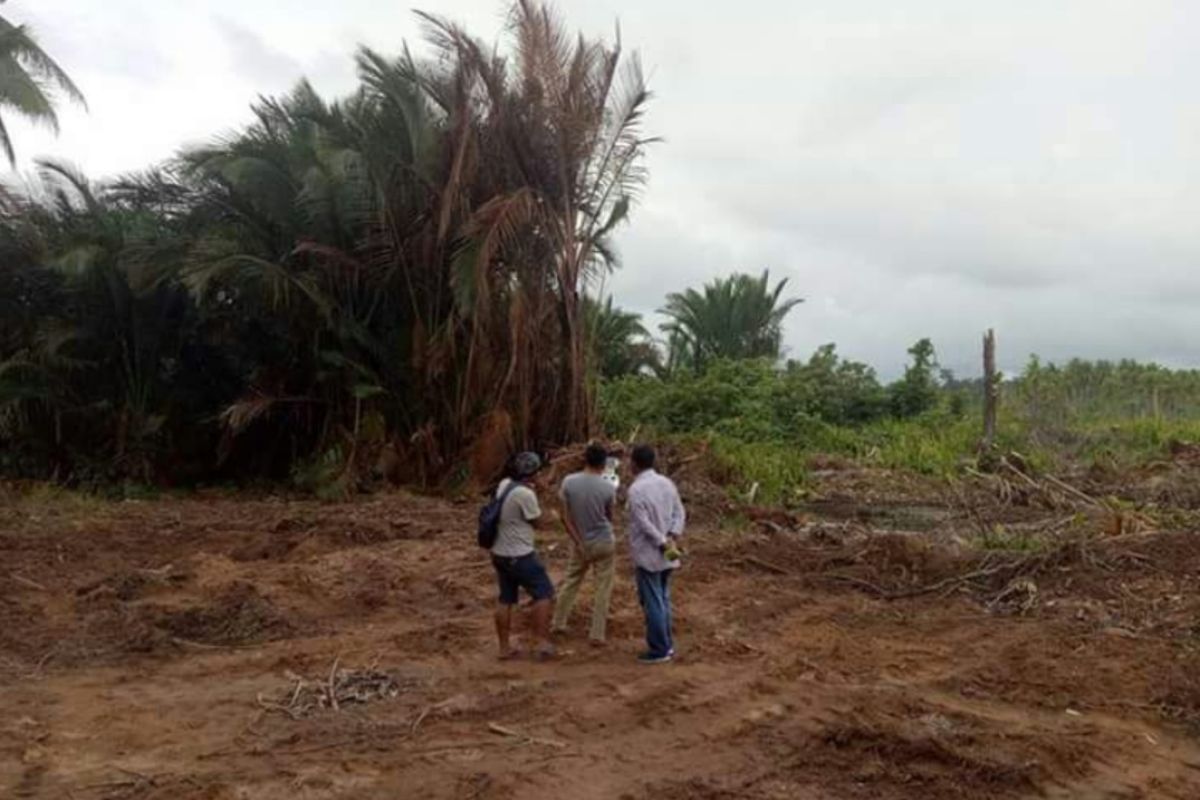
x: 524, y: 572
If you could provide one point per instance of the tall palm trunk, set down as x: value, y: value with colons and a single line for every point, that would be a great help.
x: 574, y: 375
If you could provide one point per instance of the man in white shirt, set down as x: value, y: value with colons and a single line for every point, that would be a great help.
x: 656, y: 520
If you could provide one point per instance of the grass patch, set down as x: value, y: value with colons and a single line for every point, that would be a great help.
x: 1127, y: 443
x: 998, y: 538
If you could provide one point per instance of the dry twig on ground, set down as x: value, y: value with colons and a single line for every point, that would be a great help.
x: 500, y: 730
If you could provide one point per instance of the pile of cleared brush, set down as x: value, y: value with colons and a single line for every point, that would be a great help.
x: 341, y: 688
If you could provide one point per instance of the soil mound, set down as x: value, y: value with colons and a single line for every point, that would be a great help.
x: 240, y: 615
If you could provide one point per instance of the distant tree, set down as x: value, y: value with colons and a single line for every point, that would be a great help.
x: 28, y: 79
x: 917, y: 391
x: 735, y: 317
x: 619, y: 342
x: 836, y: 390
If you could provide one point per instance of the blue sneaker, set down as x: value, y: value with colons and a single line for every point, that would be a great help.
x: 650, y: 658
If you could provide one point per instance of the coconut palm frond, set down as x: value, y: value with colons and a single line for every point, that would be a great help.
x: 28, y: 78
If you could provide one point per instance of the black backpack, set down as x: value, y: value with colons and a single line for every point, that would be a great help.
x: 489, y: 517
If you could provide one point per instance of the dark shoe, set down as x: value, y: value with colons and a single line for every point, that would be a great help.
x: 651, y: 658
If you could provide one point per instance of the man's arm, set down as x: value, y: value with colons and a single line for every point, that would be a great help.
x: 639, y: 519
x: 678, y: 516
x: 568, y: 520
x: 531, y: 510
x: 545, y: 521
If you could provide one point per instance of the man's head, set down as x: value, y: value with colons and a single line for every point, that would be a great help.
x: 643, y: 458
x: 525, y: 465
x: 595, y: 458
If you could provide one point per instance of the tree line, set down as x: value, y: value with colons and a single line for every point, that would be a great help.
x: 407, y: 263
x: 414, y: 265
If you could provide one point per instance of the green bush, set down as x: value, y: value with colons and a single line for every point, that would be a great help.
x: 779, y: 470
x: 752, y: 400
x: 765, y: 422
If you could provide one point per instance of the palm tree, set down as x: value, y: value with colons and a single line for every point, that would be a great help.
x: 28, y: 78
x: 563, y: 146
x: 735, y: 317
x: 618, y: 342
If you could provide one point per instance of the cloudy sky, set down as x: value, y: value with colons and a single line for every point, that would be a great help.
x: 918, y: 168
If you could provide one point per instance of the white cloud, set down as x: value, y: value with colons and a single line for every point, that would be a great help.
x: 926, y: 168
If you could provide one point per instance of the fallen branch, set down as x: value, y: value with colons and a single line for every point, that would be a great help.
x: 500, y: 730
x: 1071, y: 490
x: 31, y: 584
x: 333, y: 701
x: 449, y: 746
x: 272, y: 706
x: 1028, y: 480
x: 213, y: 647
x: 859, y: 582
x: 948, y: 583
x: 134, y: 773
x: 767, y: 565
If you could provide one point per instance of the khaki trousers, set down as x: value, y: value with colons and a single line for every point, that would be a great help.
x: 600, y: 557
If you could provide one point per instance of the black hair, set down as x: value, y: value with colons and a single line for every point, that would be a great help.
x: 643, y: 457
x: 595, y: 456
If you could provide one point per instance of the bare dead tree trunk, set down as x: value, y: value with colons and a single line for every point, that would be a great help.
x: 991, y: 392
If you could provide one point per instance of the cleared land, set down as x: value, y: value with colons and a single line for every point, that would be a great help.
x: 195, y: 648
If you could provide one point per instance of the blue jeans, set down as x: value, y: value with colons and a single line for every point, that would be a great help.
x: 654, y: 593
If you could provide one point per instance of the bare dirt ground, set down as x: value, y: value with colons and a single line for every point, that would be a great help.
x: 195, y: 648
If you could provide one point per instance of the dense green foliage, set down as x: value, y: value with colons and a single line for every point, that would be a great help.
x: 767, y: 424
x: 758, y: 400
x: 407, y: 264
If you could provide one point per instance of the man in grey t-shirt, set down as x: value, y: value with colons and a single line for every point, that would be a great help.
x: 588, y: 498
